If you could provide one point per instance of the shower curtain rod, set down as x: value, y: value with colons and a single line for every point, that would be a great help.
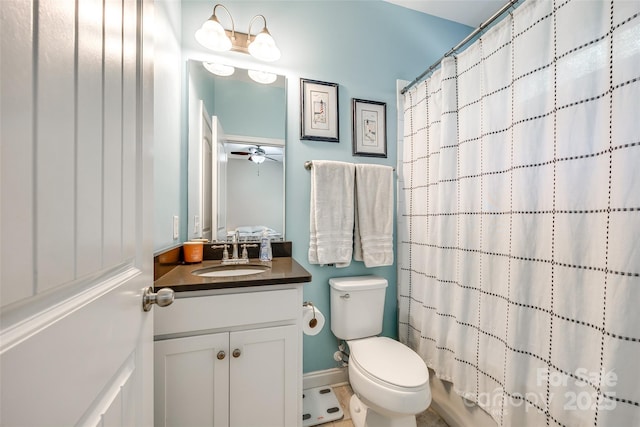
x: 459, y: 45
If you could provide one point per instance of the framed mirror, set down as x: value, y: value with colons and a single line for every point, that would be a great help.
x: 236, y: 132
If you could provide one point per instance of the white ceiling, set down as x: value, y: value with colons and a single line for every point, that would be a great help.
x: 467, y: 12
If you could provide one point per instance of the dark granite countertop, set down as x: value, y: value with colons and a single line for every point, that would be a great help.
x: 283, y: 270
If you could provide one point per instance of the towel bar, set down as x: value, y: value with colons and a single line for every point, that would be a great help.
x: 308, y: 164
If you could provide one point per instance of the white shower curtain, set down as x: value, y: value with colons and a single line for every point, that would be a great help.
x: 519, y: 216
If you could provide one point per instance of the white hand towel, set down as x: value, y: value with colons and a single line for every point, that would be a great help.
x: 374, y: 215
x: 332, y: 213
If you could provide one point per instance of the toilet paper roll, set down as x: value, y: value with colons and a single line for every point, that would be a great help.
x: 307, y: 320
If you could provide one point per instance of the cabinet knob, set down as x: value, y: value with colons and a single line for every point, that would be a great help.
x: 236, y: 352
x: 221, y: 355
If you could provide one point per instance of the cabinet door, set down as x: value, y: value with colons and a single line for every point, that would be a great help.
x: 263, y: 377
x: 191, y: 382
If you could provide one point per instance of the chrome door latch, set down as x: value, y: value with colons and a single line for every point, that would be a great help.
x: 163, y: 298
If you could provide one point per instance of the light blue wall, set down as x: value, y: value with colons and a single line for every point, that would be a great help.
x: 364, y: 46
x: 203, y: 85
x: 169, y: 150
x: 243, y: 107
x: 250, y: 109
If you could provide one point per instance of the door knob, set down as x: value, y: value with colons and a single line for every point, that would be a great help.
x: 163, y: 298
x: 236, y: 352
x: 221, y: 355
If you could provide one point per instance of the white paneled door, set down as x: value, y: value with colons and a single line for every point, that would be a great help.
x: 75, y: 213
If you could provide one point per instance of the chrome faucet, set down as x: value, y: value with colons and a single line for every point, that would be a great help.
x: 234, y: 242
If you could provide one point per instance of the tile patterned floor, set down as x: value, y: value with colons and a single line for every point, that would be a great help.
x: 428, y: 418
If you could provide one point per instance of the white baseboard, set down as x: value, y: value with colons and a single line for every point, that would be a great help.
x: 326, y: 377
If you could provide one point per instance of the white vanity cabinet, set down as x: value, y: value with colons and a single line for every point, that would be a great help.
x: 230, y: 360
x: 191, y: 384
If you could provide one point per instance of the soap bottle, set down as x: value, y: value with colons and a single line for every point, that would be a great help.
x: 265, y: 247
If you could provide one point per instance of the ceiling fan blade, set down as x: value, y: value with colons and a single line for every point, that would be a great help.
x: 248, y: 152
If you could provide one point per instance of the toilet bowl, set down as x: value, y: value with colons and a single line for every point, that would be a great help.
x: 390, y: 381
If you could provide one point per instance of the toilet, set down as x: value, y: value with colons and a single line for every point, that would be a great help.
x: 390, y: 381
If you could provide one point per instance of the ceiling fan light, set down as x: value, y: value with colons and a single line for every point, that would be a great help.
x: 257, y: 158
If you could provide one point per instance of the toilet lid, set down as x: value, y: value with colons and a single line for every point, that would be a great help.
x: 389, y: 361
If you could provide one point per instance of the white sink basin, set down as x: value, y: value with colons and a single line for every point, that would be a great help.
x: 231, y: 270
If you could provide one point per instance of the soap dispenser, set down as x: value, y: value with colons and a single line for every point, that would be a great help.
x: 265, y: 247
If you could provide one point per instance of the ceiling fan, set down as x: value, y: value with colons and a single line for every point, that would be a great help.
x: 255, y: 154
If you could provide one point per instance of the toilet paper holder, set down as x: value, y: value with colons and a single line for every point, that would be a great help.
x: 313, y: 322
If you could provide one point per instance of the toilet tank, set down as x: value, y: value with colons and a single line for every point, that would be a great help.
x: 357, y: 306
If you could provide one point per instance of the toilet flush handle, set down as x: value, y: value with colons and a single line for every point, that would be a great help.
x: 345, y: 296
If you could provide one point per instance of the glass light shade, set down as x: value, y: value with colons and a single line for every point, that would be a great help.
x: 257, y: 158
x: 219, y: 69
x: 262, y: 77
x: 264, y: 48
x: 213, y: 36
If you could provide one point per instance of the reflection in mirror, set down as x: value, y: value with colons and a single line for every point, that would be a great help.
x: 236, y: 155
x: 255, y: 199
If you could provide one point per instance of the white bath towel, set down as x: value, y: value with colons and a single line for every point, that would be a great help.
x: 374, y: 215
x: 332, y: 213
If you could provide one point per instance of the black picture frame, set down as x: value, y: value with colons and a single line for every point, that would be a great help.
x: 369, y: 127
x: 319, y: 118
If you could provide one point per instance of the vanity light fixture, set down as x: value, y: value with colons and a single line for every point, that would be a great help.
x: 219, y: 69
x: 262, y: 77
x: 212, y: 35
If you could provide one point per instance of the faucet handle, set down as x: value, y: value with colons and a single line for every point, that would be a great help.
x: 225, y: 251
x: 245, y: 254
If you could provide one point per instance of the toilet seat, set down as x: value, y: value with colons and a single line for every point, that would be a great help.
x: 390, y: 362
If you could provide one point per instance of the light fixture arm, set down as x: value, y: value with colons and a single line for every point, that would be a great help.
x: 251, y: 24
x: 233, y: 25
x: 263, y: 46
